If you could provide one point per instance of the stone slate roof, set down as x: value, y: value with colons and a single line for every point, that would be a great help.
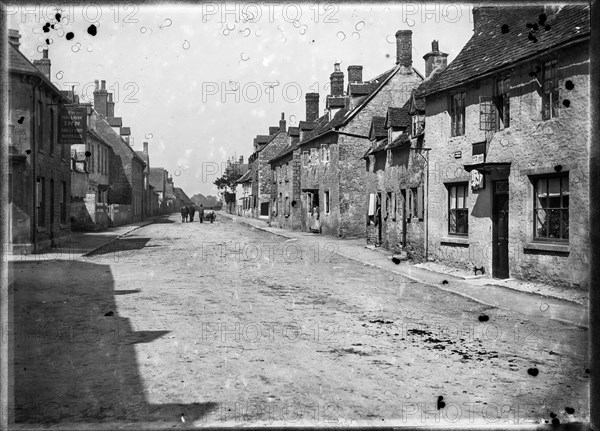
x: 336, y: 102
x: 246, y: 178
x: 125, y: 131
x: 343, y: 116
x: 115, y: 121
x: 180, y: 194
x: 360, y: 88
x: 377, y: 128
x: 307, y: 125
x: 294, y: 131
x: 18, y: 63
x: 380, y: 146
x: 397, y: 117
x: 404, y: 138
x: 490, y: 49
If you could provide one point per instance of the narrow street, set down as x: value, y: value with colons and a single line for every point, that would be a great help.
x: 225, y: 324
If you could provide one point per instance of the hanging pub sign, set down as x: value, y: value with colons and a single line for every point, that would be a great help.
x: 73, y: 125
x: 477, y: 180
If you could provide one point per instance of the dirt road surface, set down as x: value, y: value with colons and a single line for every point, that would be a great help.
x: 191, y: 325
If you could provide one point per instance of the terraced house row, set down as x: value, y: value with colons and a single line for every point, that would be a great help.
x: 72, y: 165
x: 481, y: 163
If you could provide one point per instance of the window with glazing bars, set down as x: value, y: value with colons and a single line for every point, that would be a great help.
x: 550, y: 92
x: 502, y: 101
x: 551, y: 207
x: 458, y: 213
x: 457, y: 114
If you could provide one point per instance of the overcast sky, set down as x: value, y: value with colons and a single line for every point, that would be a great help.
x: 194, y: 81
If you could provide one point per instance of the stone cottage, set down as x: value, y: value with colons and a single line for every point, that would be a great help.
x: 39, y: 170
x: 333, y: 175
x: 508, y: 126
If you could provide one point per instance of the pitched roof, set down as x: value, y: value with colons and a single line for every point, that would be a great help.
x: 378, y: 147
x: 113, y: 138
x: 125, y: 131
x: 307, y: 125
x: 343, y: 116
x: 359, y: 88
x: 294, y: 131
x: 377, y: 128
x: 404, y: 138
x: 247, y: 177
x: 17, y: 62
x: 335, y: 101
x: 397, y: 117
x: 115, y: 121
x: 143, y: 156
x: 490, y: 48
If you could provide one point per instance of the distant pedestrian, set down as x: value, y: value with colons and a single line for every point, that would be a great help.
x: 184, y: 214
x: 211, y: 215
x: 192, y: 209
x: 201, y: 213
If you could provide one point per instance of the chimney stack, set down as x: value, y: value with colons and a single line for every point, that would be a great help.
x: 13, y: 37
x: 145, y: 147
x: 337, y: 81
x: 273, y: 130
x: 282, y: 123
x: 100, y: 99
x: 312, y: 106
x: 435, y: 59
x: 110, y: 106
x: 404, y: 48
x: 43, y: 64
x: 355, y: 74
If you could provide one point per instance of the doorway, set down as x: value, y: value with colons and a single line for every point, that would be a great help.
x: 500, y: 230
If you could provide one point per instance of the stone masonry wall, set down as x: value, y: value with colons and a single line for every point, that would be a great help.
x: 533, y: 147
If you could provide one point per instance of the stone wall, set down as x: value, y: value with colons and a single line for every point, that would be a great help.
x: 532, y: 147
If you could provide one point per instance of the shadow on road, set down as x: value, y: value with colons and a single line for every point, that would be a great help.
x: 163, y: 219
x: 74, y: 355
x: 121, y: 245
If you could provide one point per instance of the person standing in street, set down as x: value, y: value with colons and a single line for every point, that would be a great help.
x: 201, y: 213
x: 192, y: 209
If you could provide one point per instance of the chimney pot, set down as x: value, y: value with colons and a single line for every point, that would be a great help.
x: 282, y: 123
x: 336, y: 80
x: 45, y: 53
x: 96, y: 82
x: 101, y: 99
x: 146, y: 147
x: 404, y: 48
x: 435, y: 59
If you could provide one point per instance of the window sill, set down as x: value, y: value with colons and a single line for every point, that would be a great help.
x: 455, y: 240
x: 543, y: 246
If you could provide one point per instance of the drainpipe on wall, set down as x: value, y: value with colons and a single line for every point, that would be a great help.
x: 426, y: 199
x: 34, y: 149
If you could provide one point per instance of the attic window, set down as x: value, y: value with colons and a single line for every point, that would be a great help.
x: 550, y: 93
